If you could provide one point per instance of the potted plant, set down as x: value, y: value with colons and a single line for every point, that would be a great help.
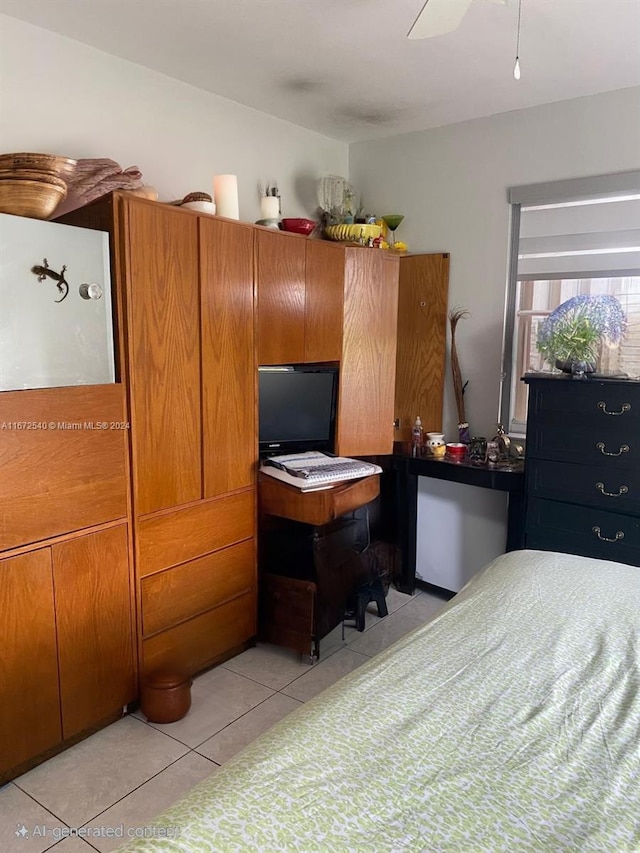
x: 571, y: 336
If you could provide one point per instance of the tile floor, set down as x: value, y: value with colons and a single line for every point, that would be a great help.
x: 126, y: 774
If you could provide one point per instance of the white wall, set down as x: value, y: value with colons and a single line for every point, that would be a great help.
x: 63, y: 97
x: 451, y: 185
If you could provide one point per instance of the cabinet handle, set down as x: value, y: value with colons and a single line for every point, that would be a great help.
x: 621, y: 491
x: 624, y: 448
x: 626, y: 407
x: 619, y: 535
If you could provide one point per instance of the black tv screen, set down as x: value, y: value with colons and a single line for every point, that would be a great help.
x: 297, y: 408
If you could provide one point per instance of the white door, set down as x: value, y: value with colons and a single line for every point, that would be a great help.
x: 56, y: 324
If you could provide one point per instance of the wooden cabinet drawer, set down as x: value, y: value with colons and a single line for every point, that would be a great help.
x: 613, y: 489
x: 607, y: 444
x: 185, y: 534
x: 600, y: 403
x: 555, y: 526
x: 203, y: 640
x: 177, y: 594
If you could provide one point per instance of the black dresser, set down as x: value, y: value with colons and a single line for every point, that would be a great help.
x: 582, y: 472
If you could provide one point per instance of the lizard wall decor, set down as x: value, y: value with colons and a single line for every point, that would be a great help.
x: 61, y: 283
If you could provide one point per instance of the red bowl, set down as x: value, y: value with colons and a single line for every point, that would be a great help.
x: 298, y: 226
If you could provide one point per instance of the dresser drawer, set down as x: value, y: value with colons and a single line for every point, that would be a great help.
x: 598, y: 402
x: 177, y: 594
x: 556, y: 526
x: 169, y: 538
x: 613, y: 489
x: 607, y: 445
x: 203, y: 640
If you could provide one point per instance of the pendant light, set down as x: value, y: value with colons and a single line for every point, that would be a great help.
x: 516, y: 67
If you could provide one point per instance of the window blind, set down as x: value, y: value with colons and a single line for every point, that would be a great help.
x: 579, y: 228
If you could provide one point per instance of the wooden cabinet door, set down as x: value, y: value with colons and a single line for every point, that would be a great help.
x: 69, y: 473
x: 228, y: 360
x: 422, y: 324
x: 94, y: 620
x: 280, y: 277
x: 29, y: 695
x: 368, y: 365
x: 164, y: 355
x: 324, y: 301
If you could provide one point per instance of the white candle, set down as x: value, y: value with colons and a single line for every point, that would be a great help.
x: 270, y: 207
x: 225, y: 193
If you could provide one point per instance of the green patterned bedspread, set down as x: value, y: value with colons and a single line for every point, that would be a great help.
x: 511, y: 722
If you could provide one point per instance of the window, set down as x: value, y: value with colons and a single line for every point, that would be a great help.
x: 568, y: 239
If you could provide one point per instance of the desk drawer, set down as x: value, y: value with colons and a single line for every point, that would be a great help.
x: 602, y: 486
x: 556, y: 526
x: 600, y: 403
x: 606, y: 445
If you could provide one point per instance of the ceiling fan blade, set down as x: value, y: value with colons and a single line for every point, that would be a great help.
x: 438, y: 17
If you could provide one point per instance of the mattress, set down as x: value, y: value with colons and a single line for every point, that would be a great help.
x: 511, y: 722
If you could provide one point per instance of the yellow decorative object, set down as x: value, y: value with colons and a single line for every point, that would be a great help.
x: 352, y: 233
x: 400, y: 246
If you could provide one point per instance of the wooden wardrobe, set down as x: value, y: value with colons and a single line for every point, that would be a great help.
x: 188, y: 300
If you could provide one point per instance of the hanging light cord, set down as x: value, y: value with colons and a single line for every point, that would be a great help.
x: 516, y: 68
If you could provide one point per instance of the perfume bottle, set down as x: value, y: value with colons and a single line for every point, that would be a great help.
x: 417, y: 436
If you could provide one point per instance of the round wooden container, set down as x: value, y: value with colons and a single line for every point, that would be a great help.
x: 165, y: 696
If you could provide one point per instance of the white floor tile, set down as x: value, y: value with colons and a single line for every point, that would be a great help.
x: 19, y: 813
x: 92, y: 775
x: 273, y: 666
x: 222, y: 746
x: 387, y: 631
x: 131, y: 815
x: 324, y: 674
x: 426, y: 605
x: 218, y: 697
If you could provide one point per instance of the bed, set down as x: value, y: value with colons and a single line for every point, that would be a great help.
x: 511, y: 722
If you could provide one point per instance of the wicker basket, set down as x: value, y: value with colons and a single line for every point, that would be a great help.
x: 35, y: 198
x: 49, y: 163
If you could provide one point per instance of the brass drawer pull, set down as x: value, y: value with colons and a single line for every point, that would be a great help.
x: 618, y: 537
x: 624, y: 448
x: 626, y: 407
x: 621, y: 491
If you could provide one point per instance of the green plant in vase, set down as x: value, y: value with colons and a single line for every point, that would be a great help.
x: 571, y: 336
x: 574, y: 339
x: 392, y: 220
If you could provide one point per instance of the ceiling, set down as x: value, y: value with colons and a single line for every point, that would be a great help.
x: 345, y: 67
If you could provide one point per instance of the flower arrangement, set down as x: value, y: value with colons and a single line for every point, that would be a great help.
x: 574, y: 332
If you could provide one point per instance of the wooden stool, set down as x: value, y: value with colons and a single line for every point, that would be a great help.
x: 165, y: 697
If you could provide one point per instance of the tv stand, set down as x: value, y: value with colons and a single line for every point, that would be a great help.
x: 308, y: 558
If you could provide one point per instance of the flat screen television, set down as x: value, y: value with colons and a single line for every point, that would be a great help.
x: 297, y: 408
